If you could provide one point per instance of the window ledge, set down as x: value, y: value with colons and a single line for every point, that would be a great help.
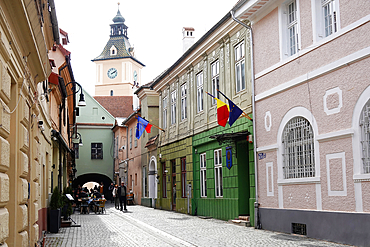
x: 314, y: 180
x: 361, y: 177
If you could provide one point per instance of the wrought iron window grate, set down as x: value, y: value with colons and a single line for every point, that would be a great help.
x: 298, y: 228
x: 365, y: 137
x: 298, y: 140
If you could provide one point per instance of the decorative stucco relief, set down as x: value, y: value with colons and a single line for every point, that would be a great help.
x: 336, y: 172
x: 333, y: 101
x: 268, y: 122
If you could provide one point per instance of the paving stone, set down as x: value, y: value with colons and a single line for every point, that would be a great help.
x: 143, y: 226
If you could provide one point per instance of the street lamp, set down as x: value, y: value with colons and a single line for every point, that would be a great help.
x: 81, y: 102
x: 80, y: 142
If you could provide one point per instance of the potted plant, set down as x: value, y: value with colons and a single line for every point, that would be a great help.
x: 55, y: 212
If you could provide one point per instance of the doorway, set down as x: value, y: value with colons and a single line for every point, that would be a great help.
x: 173, y: 165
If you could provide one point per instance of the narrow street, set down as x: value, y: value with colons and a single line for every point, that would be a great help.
x: 143, y: 226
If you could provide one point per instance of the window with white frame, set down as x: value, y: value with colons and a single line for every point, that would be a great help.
x: 183, y: 102
x: 135, y: 139
x: 130, y: 138
x: 218, y: 172
x: 215, y: 73
x: 240, y: 66
x: 115, y: 154
x: 200, y: 92
x: 164, y: 101
x: 173, y: 107
x: 290, y: 28
x: 298, y: 153
x: 326, y: 18
x: 329, y: 16
x: 96, y: 151
x: 365, y: 137
x: 203, y: 175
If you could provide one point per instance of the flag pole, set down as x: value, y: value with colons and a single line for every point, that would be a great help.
x: 243, y: 114
x: 157, y: 127
x: 154, y: 125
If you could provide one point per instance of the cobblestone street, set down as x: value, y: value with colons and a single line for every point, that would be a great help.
x: 143, y: 226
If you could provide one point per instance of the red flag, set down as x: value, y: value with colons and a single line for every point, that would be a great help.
x: 222, y: 112
x: 148, y: 128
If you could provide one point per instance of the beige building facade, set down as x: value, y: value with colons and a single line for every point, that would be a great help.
x: 25, y: 145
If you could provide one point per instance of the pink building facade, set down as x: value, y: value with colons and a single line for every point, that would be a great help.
x: 312, y: 110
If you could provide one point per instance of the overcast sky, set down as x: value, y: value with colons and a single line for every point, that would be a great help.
x: 154, y: 29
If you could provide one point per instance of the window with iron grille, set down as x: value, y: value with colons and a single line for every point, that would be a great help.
x: 200, y: 92
x: 96, y: 151
x: 183, y: 102
x: 365, y: 137
x: 164, y: 125
x: 215, y: 72
x: 173, y: 107
x: 164, y: 180
x: 203, y: 175
x: 240, y: 66
x: 298, y: 154
x: 183, y: 177
x: 218, y: 172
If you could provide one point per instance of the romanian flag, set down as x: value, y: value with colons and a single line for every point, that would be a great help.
x: 142, y: 125
x: 222, y: 112
x: 234, y: 110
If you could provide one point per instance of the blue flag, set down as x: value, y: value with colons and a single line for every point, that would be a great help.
x: 234, y: 112
x: 140, y: 127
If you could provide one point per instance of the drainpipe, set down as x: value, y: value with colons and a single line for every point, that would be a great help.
x: 126, y: 126
x: 256, y: 204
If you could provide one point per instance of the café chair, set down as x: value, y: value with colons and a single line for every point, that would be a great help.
x: 100, y: 206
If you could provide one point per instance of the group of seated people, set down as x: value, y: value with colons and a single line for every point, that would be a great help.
x: 86, y: 201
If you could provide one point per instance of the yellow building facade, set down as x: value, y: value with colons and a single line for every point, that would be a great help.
x: 26, y: 34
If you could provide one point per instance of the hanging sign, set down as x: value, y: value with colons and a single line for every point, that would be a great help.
x: 229, y: 157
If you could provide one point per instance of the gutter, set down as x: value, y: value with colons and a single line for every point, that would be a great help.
x: 256, y: 204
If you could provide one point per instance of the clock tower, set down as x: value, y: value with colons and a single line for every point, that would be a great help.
x: 118, y: 72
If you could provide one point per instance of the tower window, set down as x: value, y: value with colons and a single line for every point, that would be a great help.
x: 113, y: 51
x: 111, y: 92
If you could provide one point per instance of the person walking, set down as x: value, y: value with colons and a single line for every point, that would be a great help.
x: 115, y: 196
x: 122, y: 196
x: 110, y: 192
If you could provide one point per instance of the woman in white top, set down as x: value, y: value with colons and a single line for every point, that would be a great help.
x: 114, y: 192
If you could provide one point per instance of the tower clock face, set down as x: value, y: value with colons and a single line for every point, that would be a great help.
x: 112, y: 73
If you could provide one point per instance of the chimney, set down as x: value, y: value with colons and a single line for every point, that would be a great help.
x: 187, y: 38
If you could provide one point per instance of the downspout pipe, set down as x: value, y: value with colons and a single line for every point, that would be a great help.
x: 256, y: 204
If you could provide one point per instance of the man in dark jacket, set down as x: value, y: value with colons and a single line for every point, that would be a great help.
x: 121, y: 193
x: 110, y: 190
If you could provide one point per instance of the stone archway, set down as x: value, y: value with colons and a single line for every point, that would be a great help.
x: 94, y: 177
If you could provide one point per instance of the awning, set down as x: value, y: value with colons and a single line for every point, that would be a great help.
x: 151, y: 141
x: 231, y: 137
x: 54, y: 78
